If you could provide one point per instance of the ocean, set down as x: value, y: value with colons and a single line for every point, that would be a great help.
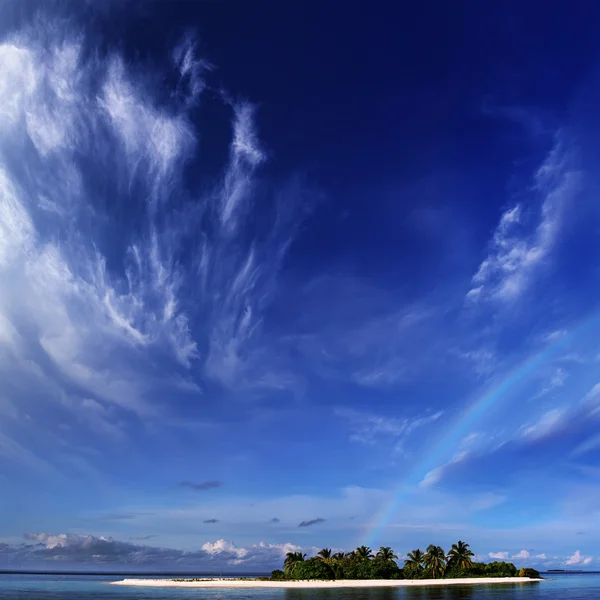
x: 93, y: 587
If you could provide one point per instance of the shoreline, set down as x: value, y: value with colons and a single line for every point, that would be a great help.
x: 340, y: 583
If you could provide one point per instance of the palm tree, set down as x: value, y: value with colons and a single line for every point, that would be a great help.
x: 351, y: 555
x: 291, y: 559
x: 386, y: 553
x: 415, y: 557
x: 435, y: 560
x: 325, y: 555
x: 460, y: 555
x: 364, y: 553
x: 338, y: 556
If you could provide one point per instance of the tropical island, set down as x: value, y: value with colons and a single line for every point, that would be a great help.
x: 363, y: 568
x: 362, y: 563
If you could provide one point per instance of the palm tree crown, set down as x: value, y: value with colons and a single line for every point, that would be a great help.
x: 386, y: 553
x: 325, y: 555
x: 291, y: 558
x: 364, y: 552
x: 435, y: 560
x: 415, y: 557
x: 460, y: 555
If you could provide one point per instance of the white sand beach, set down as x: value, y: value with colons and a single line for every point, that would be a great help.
x: 347, y: 583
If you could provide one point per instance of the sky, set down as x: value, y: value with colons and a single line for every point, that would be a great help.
x: 284, y: 276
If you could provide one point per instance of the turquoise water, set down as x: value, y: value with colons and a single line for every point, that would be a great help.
x: 93, y: 587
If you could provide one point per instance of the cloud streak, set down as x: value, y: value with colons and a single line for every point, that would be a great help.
x: 311, y: 522
x: 519, y: 247
x: 201, y: 485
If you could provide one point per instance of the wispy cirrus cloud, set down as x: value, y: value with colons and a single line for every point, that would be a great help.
x: 522, y: 242
x: 369, y: 428
x: 549, y: 422
x: 435, y: 475
x: 104, y: 278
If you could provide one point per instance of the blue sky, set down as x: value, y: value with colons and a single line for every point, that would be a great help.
x: 297, y: 278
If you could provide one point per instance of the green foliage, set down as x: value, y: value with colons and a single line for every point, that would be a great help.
x: 313, y: 568
x: 364, y: 553
x: 415, y: 557
x: 460, y: 555
x: 385, y: 553
x: 478, y: 569
x: 325, y: 554
x: 278, y: 575
x: 382, y: 568
x: 362, y: 564
x: 435, y: 561
x: 456, y: 572
x: 412, y: 570
x: 500, y: 569
x: 291, y: 560
x: 532, y: 573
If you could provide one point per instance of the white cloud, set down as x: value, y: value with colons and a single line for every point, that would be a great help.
x: 522, y: 554
x: 434, y: 476
x: 245, y: 156
x: 546, y: 425
x: 483, y: 360
x: 577, y: 558
x: 498, y: 555
x: 553, y: 336
x: 516, y: 251
x: 114, y: 277
x: 541, y: 556
x: 592, y: 399
x: 69, y: 548
x: 368, y: 428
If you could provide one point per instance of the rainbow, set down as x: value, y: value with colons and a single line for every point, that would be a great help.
x: 465, y: 423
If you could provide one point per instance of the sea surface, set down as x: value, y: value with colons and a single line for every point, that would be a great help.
x: 94, y: 587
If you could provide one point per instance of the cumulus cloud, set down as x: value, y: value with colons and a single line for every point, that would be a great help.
x: 578, y: 559
x: 71, y: 549
x: 519, y: 247
x: 311, y: 522
x: 522, y: 554
x: 201, y: 485
x: 498, y: 555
